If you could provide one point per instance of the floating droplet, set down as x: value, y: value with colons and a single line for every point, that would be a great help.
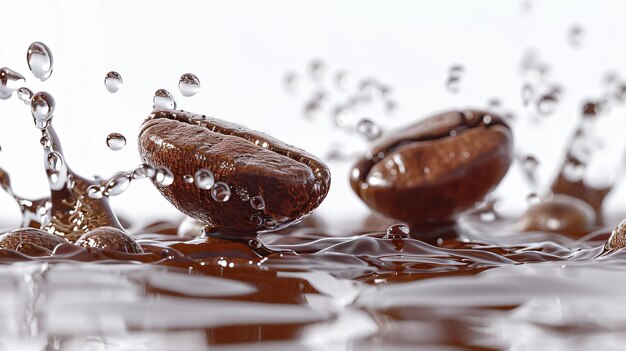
x: 342, y: 116
x: 220, y: 192
x: 163, y: 176
x: 453, y: 84
x: 42, y: 107
x: 144, y: 171
x: 189, y: 84
x: 39, y: 60
x: 574, y: 170
x: 368, y: 129
x: 312, y: 109
x: 9, y: 81
x: 24, y: 94
x: 342, y: 80
x: 576, y: 35
x: 55, y: 161
x: 187, y: 178
x: 204, y: 179
x: 546, y: 105
x: 397, y: 231
x: 113, y: 81
x: 291, y: 82
x: 116, y: 141
x: 163, y: 100
x: 456, y: 70
x: 317, y: 68
x: 257, y: 203
x: 390, y: 106
x: 118, y: 184
x: 527, y: 94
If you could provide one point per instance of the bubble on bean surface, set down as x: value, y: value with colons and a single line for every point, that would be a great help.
x: 397, y: 231
x: 144, y: 171
x: 55, y: 161
x: 24, y: 94
x: 9, y: 81
x: 188, y: 178
x: 204, y: 179
x: 42, y: 107
x: 163, y: 100
x: 189, y: 84
x: 546, y: 105
x: 257, y: 203
x: 40, y: 60
x: 576, y: 35
x: 368, y: 129
x: 116, y: 141
x: 163, y: 176
x: 113, y: 81
x: 220, y: 192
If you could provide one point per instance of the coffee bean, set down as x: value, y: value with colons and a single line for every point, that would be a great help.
x: 109, y: 238
x: 291, y: 182
x: 617, y: 240
x: 560, y: 214
x: 431, y: 171
x: 13, y: 239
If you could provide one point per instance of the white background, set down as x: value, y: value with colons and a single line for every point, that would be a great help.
x: 241, y: 50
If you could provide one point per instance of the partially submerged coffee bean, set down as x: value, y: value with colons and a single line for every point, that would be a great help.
x: 617, y: 240
x: 13, y: 239
x: 244, y: 164
x: 109, y: 238
x: 560, y: 214
x: 431, y: 171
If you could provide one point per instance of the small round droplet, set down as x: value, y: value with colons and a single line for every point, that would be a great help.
x: 39, y: 60
x: 55, y: 161
x: 189, y: 84
x: 163, y: 176
x: 94, y: 192
x: 254, y: 244
x: 204, y: 179
x: 113, y: 81
x: 575, y: 35
x: 9, y: 80
x: 144, y: 171
x: 118, y: 184
x: 257, y: 203
x: 163, y: 100
x: 116, y: 141
x: 527, y: 94
x: 546, y: 105
x: 368, y: 129
x: 397, y: 231
x: 42, y: 107
x: 453, y: 84
x: 342, y: 80
x: 187, y: 178
x: 220, y: 192
x: 317, y: 68
x: 46, y: 142
x: 24, y: 94
x: 291, y: 81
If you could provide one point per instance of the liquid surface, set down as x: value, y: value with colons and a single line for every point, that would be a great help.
x: 319, y: 291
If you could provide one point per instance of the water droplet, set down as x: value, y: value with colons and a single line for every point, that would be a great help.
x: 317, y: 68
x: 546, y: 105
x: 39, y: 60
x: 576, y: 35
x: 189, y: 84
x: 163, y: 176
x: 527, y: 94
x: 118, y: 184
x: 269, y: 223
x: 456, y: 70
x: 312, y: 109
x: 342, y: 80
x: 144, y: 171
x: 220, y: 192
x: 42, y: 107
x: 46, y: 142
x: 453, y: 84
x: 254, y: 244
x: 163, y: 100
x: 9, y: 81
x: 187, y: 178
x: 55, y: 161
x: 590, y: 109
x: 291, y: 82
x: 397, y: 231
x: 24, y: 94
x: 113, y: 81
x: 257, y: 203
x: 342, y: 116
x: 204, y: 179
x: 116, y: 141
x: 368, y: 129
x: 94, y: 192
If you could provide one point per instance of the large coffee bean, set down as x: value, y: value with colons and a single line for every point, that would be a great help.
x: 109, y: 238
x: 13, y: 239
x: 560, y: 214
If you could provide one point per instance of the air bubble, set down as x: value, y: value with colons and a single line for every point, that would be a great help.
x: 113, y: 81
x: 189, y: 84
x: 257, y: 203
x: 397, y: 231
x: 39, y: 60
x: 163, y: 100
x: 204, y: 179
x: 187, y: 178
x: 116, y: 141
x: 220, y: 192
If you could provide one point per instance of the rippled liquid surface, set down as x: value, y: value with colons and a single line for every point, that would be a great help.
x: 489, y: 288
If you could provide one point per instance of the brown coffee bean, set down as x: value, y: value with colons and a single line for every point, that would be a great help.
x: 431, y: 171
x: 13, y: 239
x: 291, y: 182
x: 109, y: 238
x: 560, y: 214
x: 617, y: 240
